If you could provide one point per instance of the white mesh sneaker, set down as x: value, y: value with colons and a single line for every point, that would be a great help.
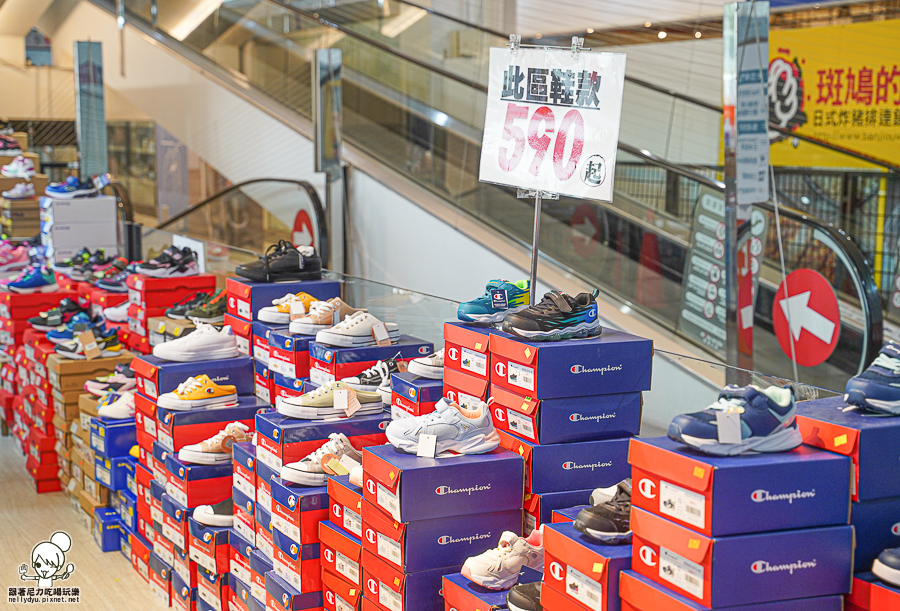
x: 204, y: 344
x: 309, y: 472
x: 464, y: 431
x: 356, y: 330
x: 499, y: 568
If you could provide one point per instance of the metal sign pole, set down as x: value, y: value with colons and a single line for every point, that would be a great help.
x: 535, y: 244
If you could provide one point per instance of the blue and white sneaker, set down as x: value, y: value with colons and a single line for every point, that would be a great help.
x: 500, y: 298
x: 66, y: 333
x: 877, y: 388
x: 40, y: 280
x: 887, y: 566
x: 767, y: 423
x: 71, y: 188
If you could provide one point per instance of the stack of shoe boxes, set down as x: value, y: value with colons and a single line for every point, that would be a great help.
x: 242, y: 543
x: 422, y: 517
x: 775, y: 523
x: 870, y: 593
x: 21, y: 217
x: 569, y: 408
x: 67, y: 225
x: 16, y: 309
x: 341, y: 545
x: 870, y: 442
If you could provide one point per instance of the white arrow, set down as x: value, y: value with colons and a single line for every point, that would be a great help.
x: 800, y: 316
x: 303, y: 238
x: 585, y: 229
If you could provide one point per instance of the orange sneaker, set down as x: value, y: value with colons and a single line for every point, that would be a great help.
x: 280, y: 310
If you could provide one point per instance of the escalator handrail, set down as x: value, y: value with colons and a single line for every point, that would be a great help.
x: 318, y: 209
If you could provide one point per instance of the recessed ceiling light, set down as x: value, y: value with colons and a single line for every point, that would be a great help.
x: 697, y: 34
x: 590, y: 30
x: 662, y: 34
x: 647, y: 24
x: 538, y: 36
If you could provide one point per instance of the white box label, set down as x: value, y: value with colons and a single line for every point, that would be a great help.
x: 241, y: 572
x: 475, y: 362
x: 264, y: 498
x: 520, y: 375
x: 389, y: 501
x: 166, y: 556
x: 353, y: 522
x: 165, y: 439
x: 520, y: 423
x: 179, y: 496
x: 159, y: 592
x: 319, y: 377
x: 183, y: 571
x: 681, y: 572
x: 243, y: 309
x: 150, y: 426
x: 173, y: 535
x: 261, y: 354
x: 346, y: 567
x: 389, y: 549
x: 258, y: 591
x: 583, y: 589
x: 243, y: 344
x: 288, y: 574
x: 245, y: 531
x: 681, y: 504
x: 243, y: 485
x: 267, y: 458
x: 388, y: 598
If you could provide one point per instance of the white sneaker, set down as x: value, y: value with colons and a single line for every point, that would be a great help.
x: 323, y: 315
x: 309, y: 472
x: 22, y: 190
x: 21, y: 167
x: 120, y: 409
x: 499, y: 568
x: 464, y: 431
x: 117, y: 313
x: 356, y: 330
x: 431, y: 366
x: 204, y: 344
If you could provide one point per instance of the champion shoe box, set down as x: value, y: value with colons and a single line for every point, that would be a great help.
x: 415, y: 395
x: 288, y: 353
x: 155, y: 294
x: 345, y: 505
x: 297, y: 510
x: 341, y: 554
x: 338, y: 595
x: 155, y: 376
x: 259, y: 339
x: 193, y: 485
x: 329, y: 363
x: 176, y: 429
x: 872, y: 594
x: 260, y: 566
x: 541, y: 508
x: 464, y: 595
x: 284, y: 387
x: 264, y: 382
x: 246, y: 299
x: 297, y: 564
x: 389, y: 588
x: 161, y: 579
x: 184, y: 597
x: 282, y: 595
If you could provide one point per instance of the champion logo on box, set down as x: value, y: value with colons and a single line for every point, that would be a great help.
x: 500, y: 368
x: 373, y: 586
x: 292, y: 501
x: 231, y: 302
x: 275, y: 434
x: 895, y: 529
x: 249, y: 463
x: 648, y: 556
x: 451, y: 395
x: 370, y: 486
x: 424, y: 350
x: 371, y: 537
x: 184, y: 592
x: 453, y: 353
x: 448, y: 540
x: 647, y: 488
x: 569, y: 465
x: 293, y: 548
x: 180, y: 471
x: 412, y: 393
x: 337, y: 510
x: 500, y: 414
x: 557, y: 571
x: 577, y: 369
x: 178, y: 514
x: 576, y: 417
x: 328, y: 354
x: 168, y: 418
x: 442, y: 490
x: 249, y: 506
x: 287, y: 343
x: 285, y: 600
x: 244, y: 594
x: 329, y: 556
x: 298, y: 383
x: 207, y: 537
x: 382, y: 425
x: 329, y: 596
x: 761, y: 566
x: 763, y: 496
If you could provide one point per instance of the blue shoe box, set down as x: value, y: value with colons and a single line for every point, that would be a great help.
x: 239, y: 597
x: 246, y: 299
x: 869, y: 440
x: 284, y: 440
x: 243, y: 460
x: 285, y: 387
x: 259, y: 566
x: 106, y: 529
x: 176, y: 429
x: 640, y: 594
x: 418, y: 546
x: 255, y: 605
x: 549, y: 421
x: 612, y: 363
x: 877, y: 525
x: 464, y: 595
x: 193, y: 485
x: 420, y: 591
x: 239, y: 557
x: 415, y: 395
x: 329, y: 363
x: 155, y: 376
x: 113, y: 472
x: 112, y: 438
x: 209, y: 546
x: 212, y: 588
x: 127, y: 509
x: 571, y: 466
x: 175, y: 521
x: 263, y: 382
x: 770, y: 566
x: 539, y: 508
x: 282, y: 595
x: 161, y: 579
x: 410, y: 488
x: 259, y: 341
x: 569, y: 514
x: 297, y: 564
x: 202, y: 605
x: 125, y: 535
x: 184, y: 597
x: 244, y: 514
x: 734, y: 495
x: 297, y: 510
x: 289, y: 353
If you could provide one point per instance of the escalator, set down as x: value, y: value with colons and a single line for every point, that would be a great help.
x: 419, y: 113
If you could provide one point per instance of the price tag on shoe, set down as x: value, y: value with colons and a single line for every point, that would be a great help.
x: 345, y: 399
x: 89, y: 345
x: 381, y: 335
x: 427, y: 445
x: 729, y: 426
x: 298, y: 310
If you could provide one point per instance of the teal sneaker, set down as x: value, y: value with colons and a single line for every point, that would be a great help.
x: 500, y: 298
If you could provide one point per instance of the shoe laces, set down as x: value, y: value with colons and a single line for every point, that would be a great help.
x: 203, y: 327
x: 728, y: 405
x: 189, y: 386
x: 887, y: 362
x: 380, y: 368
x: 286, y: 299
x: 332, y: 446
x: 225, y: 432
x: 504, y: 548
x: 322, y: 390
x: 351, y: 320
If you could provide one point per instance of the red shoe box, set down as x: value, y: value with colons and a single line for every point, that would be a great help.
x: 105, y: 299
x: 338, y: 594
x: 13, y: 331
x: 463, y: 388
x: 467, y: 349
x: 145, y: 415
x: 39, y: 471
x: 65, y: 283
x: 138, y: 318
x: 138, y: 344
x: 47, y: 485
x: 154, y: 293
x: 17, y: 306
x: 243, y: 332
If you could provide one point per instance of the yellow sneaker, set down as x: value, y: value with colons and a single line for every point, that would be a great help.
x: 280, y: 310
x: 198, y: 392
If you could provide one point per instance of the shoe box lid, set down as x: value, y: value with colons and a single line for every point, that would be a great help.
x: 283, y: 340
x: 464, y: 595
x: 394, y: 589
x: 614, y: 362
x: 155, y: 376
x: 160, y: 454
x: 549, y: 421
x: 209, y: 546
x: 262, y: 369
x: 327, y: 363
x: 539, y: 508
x: 341, y: 552
x: 467, y: 348
x: 259, y: 563
x: 20, y: 306
x: 184, y: 566
x: 640, y: 594
x: 259, y: 337
x: 183, y: 592
x: 296, y: 563
x: 157, y: 489
x: 212, y: 587
x: 202, y: 605
x: 297, y: 510
x: 160, y: 293
x: 410, y: 488
x: 294, y: 386
x: 141, y: 547
x: 239, y: 593
x: 240, y: 327
x: 733, y: 495
x: 570, y: 466
x: 112, y: 438
x: 193, y: 485
x: 416, y: 388
x: 338, y: 591
x: 869, y: 440
x: 282, y: 595
x: 870, y: 593
x: 105, y: 299
x: 566, y: 515
x: 69, y: 374
x: 877, y: 527
x: 243, y: 456
x: 246, y: 299
x: 466, y: 390
x: 345, y: 504
x: 584, y: 570
x: 176, y: 429
x: 281, y: 439
x: 801, y: 563
x: 418, y: 546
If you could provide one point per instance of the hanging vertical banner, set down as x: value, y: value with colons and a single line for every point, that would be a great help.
x: 90, y: 111
x: 552, y: 121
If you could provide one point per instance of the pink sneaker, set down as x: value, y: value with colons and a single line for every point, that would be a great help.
x: 11, y: 260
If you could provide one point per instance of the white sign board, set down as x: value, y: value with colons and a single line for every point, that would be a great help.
x: 552, y: 121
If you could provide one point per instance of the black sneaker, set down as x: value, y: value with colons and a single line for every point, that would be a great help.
x: 374, y: 376
x: 116, y: 283
x: 608, y: 520
x: 283, y: 261
x: 9, y: 146
x: 6, y: 127
x: 86, y: 270
x: 172, y: 263
x: 525, y: 597
x: 181, y: 308
x: 558, y: 316
x: 220, y: 514
x: 60, y: 315
x: 78, y: 259
x: 212, y: 311
x: 107, y: 341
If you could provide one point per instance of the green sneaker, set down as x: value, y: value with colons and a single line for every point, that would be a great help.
x: 211, y: 312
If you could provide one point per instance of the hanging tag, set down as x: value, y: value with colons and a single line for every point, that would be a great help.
x: 729, y: 425
x: 427, y: 445
x: 380, y: 333
x: 499, y: 300
x: 352, y: 406
x: 89, y: 345
x: 349, y: 463
x: 298, y: 310
x: 332, y: 466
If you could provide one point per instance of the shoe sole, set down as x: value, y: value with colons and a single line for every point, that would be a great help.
x: 478, y: 444
x: 70, y: 195
x: 352, y: 341
x: 489, y: 318
x: 491, y: 583
x: 783, y: 441
x: 203, y: 458
x: 14, y: 267
x: 279, y: 277
x: 584, y: 329
x: 604, y: 537
x: 49, y: 288
x: 273, y: 317
x: 307, y: 328
x: 318, y: 413
x: 216, y: 355
x: 363, y: 387
x: 189, y: 404
x: 426, y: 371
x: 888, y: 574
x: 513, y: 607
x: 303, y: 478
x: 176, y: 316
x: 859, y: 399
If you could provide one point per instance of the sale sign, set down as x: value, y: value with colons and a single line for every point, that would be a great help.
x: 552, y: 121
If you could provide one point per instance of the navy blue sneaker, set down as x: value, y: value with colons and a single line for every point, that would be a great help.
x: 877, y: 388
x: 71, y: 188
x: 766, y: 422
x: 67, y: 333
x: 887, y: 566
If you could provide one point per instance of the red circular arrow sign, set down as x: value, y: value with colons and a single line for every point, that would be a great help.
x: 815, y: 320
x: 303, y: 231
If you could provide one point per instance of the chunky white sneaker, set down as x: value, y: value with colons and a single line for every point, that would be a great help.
x: 431, y: 366
x: 216, y: 449
x: 120, y: 409
x: 356, y: 330
x: 464, y: 431
x: 203, y: 344
x: 117, y: 313
x: 309, y: 472
x: 499, y: 568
